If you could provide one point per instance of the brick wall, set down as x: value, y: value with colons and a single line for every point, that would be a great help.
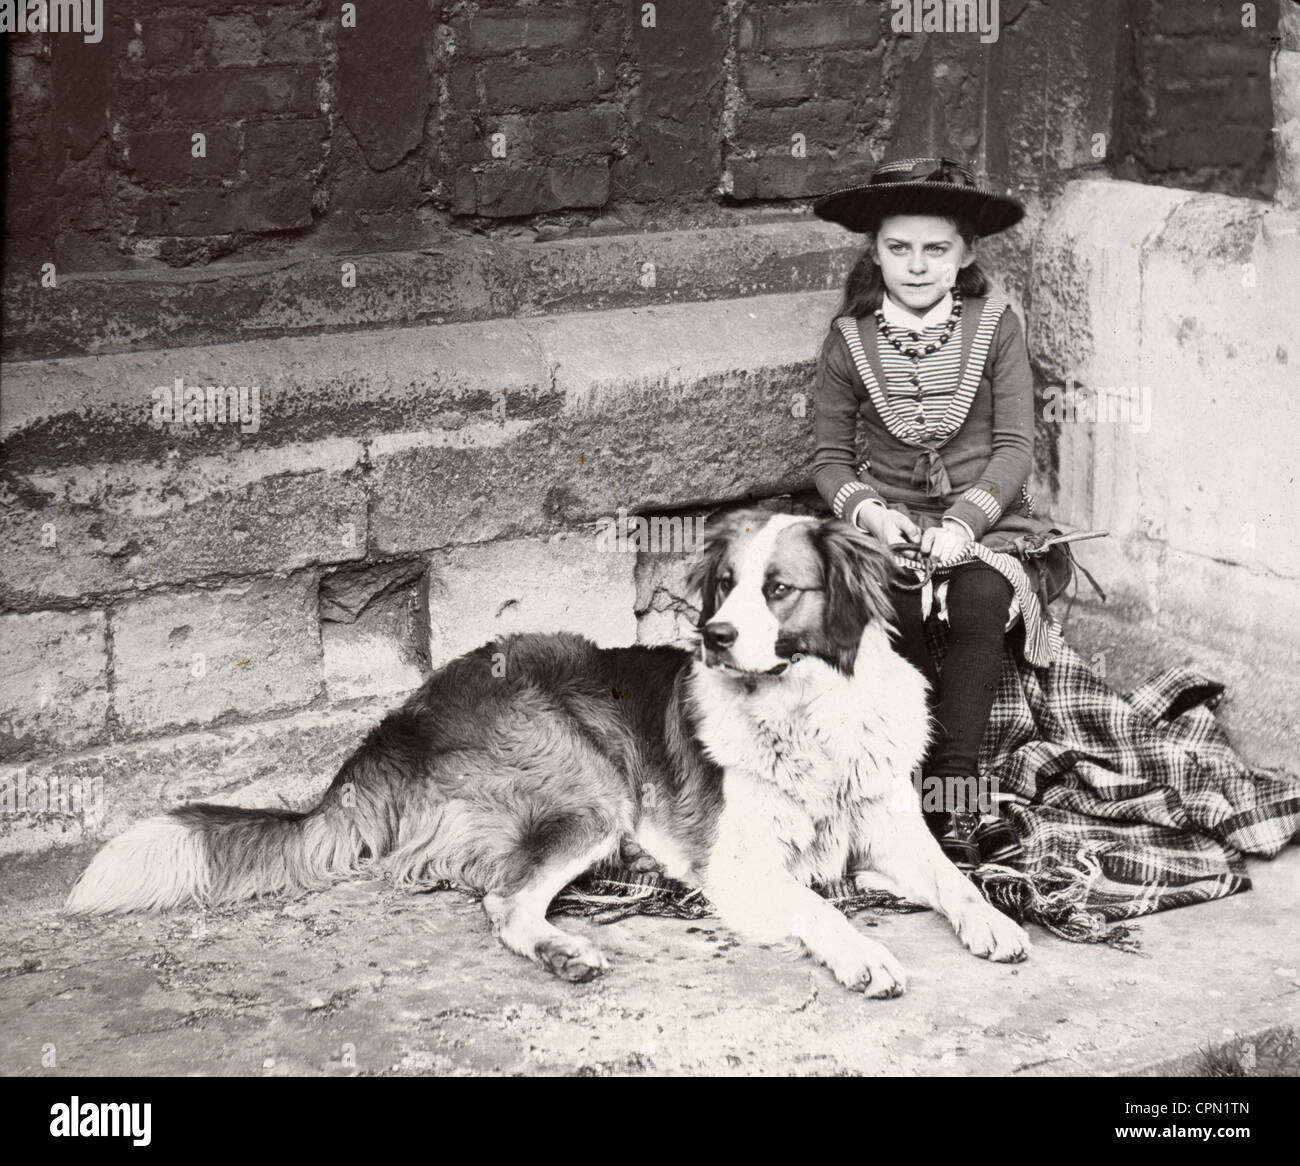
x: 1195, y: 109
x: 434, y: 116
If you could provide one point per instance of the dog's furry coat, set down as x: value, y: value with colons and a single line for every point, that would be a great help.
x: 778, y: 756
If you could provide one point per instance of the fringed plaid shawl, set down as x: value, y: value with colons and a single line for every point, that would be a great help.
x: 1125, y: 805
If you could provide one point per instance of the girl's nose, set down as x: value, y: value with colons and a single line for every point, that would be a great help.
x: 916, y: 263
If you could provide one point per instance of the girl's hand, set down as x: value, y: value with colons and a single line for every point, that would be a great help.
x: 944, y: 544
x: 889, y: 526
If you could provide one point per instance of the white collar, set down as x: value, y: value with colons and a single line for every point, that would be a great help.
x: 906, y: 318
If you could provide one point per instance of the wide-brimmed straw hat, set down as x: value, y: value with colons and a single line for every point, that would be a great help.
x: 921, y: 186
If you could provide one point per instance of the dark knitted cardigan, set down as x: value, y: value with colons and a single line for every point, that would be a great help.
x: 986, y: 461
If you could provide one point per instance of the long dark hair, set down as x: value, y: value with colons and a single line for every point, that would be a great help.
x: 864, y: 289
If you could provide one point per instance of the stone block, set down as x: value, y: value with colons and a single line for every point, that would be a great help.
x: 189, y: 659
x: 565, y: 583
x: 115, y: 527
x: 384, y: 84
x: 374, y: 630
x: 53, y: 681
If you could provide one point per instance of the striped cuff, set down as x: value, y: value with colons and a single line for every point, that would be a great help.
x: 978, y: 509
x: 849, y: 495
x: 985, y: 501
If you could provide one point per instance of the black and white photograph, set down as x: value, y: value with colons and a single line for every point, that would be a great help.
x: 696, y: 538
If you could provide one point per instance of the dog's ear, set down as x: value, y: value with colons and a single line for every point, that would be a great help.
x: 720, y: 532
x: 857, y: 571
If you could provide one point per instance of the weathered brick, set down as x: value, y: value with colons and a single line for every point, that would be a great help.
x: 506, y: 191
x: 284, y: 149
x: 780, y: 175
x: 857, y: 76
x: 292, y: 36
x: 575, y: 131
x: 816, y: 26
x: 273, y: 37
x: 164, y: 42
x: 168, y: 155
x: 235, y: 40
x: 769, y: 82
x: 229, y: 93
x: 829, y: 123
x: 277, y: 206
x: 53, y: 682
x: 479, y: 593
x: 532, y: 29
x: 116, y: 528
x: 546, y: 135
x: 187, y: 660
x: 529, y: 85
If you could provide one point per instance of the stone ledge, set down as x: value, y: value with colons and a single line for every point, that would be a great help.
x: 422, y: 381
x: 125, y: 311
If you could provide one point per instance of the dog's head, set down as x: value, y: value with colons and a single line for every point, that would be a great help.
x: 777, y: 587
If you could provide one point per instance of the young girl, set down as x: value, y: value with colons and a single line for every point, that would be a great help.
x: 935, y: 372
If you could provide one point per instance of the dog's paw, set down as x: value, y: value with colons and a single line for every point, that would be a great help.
x: 572, y: 957
x: 992, y: 936
x: 635, y: 859
x: 869, y: 968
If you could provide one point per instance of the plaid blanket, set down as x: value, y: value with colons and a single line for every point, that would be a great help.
x: 1125, y: 805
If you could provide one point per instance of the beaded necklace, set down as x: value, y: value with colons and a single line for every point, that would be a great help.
x: 912, y: 351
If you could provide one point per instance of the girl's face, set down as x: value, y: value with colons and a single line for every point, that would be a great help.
x: 919, y: 257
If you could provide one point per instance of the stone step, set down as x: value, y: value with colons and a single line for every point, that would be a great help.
x: 384, y: 444
x: 463, y: 281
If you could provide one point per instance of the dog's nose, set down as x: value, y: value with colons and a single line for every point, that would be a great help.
x: 719, y: 635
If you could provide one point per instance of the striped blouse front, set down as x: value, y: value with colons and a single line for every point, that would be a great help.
x: 919, y: 389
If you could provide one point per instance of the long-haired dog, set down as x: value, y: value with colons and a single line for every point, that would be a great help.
x: 778, y: 755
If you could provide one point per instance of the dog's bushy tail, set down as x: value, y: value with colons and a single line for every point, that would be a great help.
x: 221, y: 854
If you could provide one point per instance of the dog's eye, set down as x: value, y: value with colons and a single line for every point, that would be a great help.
x: 778, y: 590
x: 725, y: 584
